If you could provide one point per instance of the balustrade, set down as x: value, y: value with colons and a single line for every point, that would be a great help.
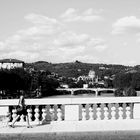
x: 107, y: 111
x: 85, y: 109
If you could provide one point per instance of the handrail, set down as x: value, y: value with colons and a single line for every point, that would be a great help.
x: 77, y: 100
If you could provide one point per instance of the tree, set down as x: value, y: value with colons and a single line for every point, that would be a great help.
x: 135, y: 83
x: 130, y: 92
x: 48, y: 85
x: 80, y: 83
x: 108, y: 83
x: 122, y: 80
x: 11, y: 81
x: 119, y: 92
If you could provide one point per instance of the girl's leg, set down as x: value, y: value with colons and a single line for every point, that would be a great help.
x: 13, y: 122
x: 28, y: 124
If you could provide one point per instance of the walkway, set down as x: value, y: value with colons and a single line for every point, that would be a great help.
x: 81, y: 126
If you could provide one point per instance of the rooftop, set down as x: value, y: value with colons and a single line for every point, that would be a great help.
x: 11, y: 61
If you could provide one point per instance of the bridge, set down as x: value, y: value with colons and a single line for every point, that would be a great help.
x: 96, y: 90
x: 49, y: 115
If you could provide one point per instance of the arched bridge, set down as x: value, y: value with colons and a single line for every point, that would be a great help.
x: 96, y: 90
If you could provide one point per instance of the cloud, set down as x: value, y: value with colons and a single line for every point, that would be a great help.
x: 40, y: 19
x: 89, y: 59
x: 129, y: 24
x: 101, y: 48
x: 70, y: 39
x: 49, y: 39
x: 72, y: 14
x: 86, y: 58
x: 73, y: 40
x: 27, y: 56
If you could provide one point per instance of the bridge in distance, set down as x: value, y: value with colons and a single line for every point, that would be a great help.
x: 96, y: 90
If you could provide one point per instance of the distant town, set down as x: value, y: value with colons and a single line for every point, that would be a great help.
x: 42, y: 79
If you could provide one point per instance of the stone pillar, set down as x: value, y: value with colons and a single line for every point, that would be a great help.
x: 136, y: 111
x: 71, y: 112
x: 96, y: 92
x: 72, y: 92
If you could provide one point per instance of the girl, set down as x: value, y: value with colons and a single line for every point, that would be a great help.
x: 21, y: 110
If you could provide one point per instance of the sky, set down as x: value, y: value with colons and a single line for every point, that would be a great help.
x: 58, y: 31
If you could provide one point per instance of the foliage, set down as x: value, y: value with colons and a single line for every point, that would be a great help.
x: 135, y: 83
x: 125, y: 92
x: 122, y: 80
x: 48, y: 85
x: 130, y: 92
x: 108, y: 83
x: 14, y: 80
x: 119, y: 92
x: 126, y: 80
x: 75, y: 69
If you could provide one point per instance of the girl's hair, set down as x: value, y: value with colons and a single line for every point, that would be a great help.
x: 21, y: 100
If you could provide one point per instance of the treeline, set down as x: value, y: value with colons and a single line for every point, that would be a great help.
x: 14, y: 80
x: 127, y: 84
x: 77, y: 68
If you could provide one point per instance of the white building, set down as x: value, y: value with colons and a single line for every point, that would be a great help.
x: 91, y: 78
x: 11, y: 63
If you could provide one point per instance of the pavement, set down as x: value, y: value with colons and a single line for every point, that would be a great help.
x: 74, y: 126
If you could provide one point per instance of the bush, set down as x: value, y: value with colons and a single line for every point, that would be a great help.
x: 119, y: 92
x: 130, y: 92
x: 125, y: 92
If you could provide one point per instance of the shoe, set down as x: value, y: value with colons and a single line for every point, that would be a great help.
x: 29, y: 126
x: 12, y: 126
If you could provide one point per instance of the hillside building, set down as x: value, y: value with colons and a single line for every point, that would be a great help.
x: 90, y: 79
x: 11, y: 64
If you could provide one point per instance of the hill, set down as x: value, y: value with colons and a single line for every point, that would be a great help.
x: 75, y: 69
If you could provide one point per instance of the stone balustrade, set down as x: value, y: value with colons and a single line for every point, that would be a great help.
x: 74, y: 109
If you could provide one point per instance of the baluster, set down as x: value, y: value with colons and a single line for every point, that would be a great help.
x: 59, y: 114
x: 29, y: 110
x: 98, y: 113
x: 128, y: 112
x: 5, y: 120
x: 22, y: 118
x: 102, y: 110
x: 90, y: 113
x: 14, y: 114
x: 120, y: 113
x: 109, y: 105
x: 83, y: 114
x: 44, y: 114
x: 106, y: 113
x: 113, y: 112
x: 124, y: 110
x: 94, y: 111
x: 37, y: 115
x: 52, y: 114
x: 117, y: 110
x: 8, y: 116
x: 131, y: 110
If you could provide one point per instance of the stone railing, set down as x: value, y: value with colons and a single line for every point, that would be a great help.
x: 74, y: 109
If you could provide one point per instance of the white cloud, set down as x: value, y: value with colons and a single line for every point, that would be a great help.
x: 48, y: 39
x: 86, y: 58
x: 129, y: 24
x: 22, y: 55
x: 40, y: 19
x: 125, y: 43
x: 72, y: 14
x: 73, y: 40
x: 101, y: 48
x: 70, y: 39
x: 89, y: 59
